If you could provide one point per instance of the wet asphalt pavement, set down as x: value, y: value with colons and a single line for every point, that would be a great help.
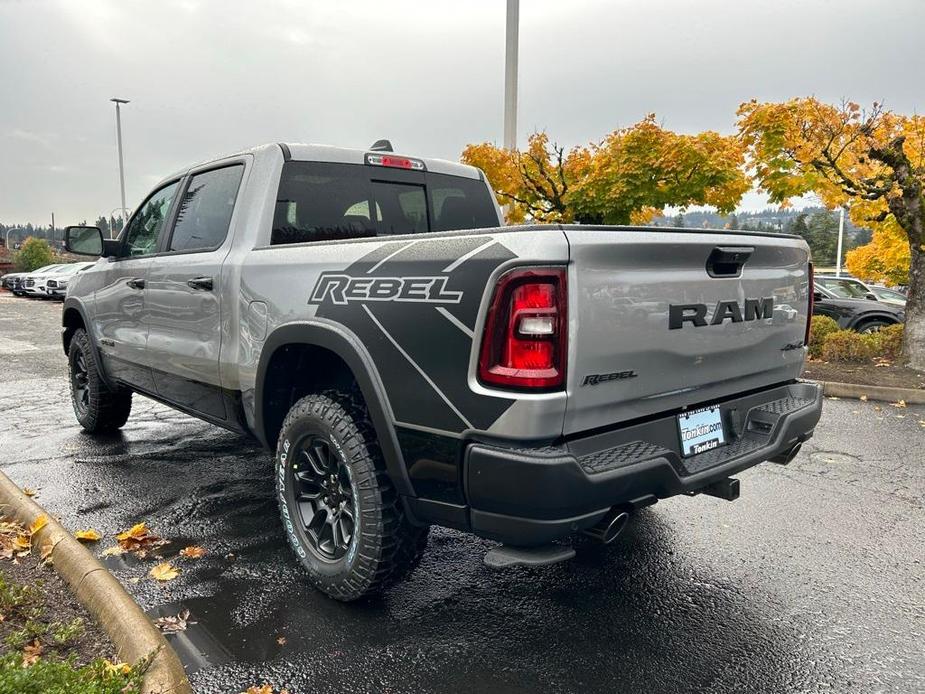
x: 813, y: 581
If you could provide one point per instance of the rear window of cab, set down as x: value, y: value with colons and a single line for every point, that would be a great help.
x: 322, y: 202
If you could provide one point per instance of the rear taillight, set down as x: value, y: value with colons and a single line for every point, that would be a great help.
x: 526, y: 333
x: 809, y: 309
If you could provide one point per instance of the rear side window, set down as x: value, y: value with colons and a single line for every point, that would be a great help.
x: 205, y: 209
x: 320, y: 202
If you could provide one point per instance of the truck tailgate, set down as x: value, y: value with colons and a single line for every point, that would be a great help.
x: 653, y: 330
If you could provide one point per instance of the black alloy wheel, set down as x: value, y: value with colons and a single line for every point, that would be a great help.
x: 324, y: 497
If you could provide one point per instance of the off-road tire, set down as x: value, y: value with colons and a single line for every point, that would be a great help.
x: 384, y: 547
x: 101, y: 409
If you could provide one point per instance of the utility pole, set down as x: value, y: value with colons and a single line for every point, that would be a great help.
x: 841, y: 236
x: 119, y: 141
x: 510, y: 74
x: 52, y: 226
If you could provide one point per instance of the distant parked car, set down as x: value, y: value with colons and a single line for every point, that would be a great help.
x: 34, y: 283
x: 12, y: 281
x: 56, y: 284
x: 863, y: 315
x: 887, y: 295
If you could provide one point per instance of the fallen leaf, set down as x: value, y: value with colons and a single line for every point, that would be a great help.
x: 899, y: 403
x: 134, y: 580
x: 42, y: 521
x: 264, y: 689
x: 192, y: 552
x: 140, y: 540
x: 164, y: 572
x: 137, y: 531
x: 28, y: 491
x: 45, y: 552
x: 90, y: 535
x: 31, y: 653
x: 117, y: 668
x: 863, y: 398
x: 113, y: 551
x: 281, y: 640
x: 173, y: 625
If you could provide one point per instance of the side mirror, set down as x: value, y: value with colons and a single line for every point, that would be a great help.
x: 817, y: 296
x: 84, y: 240
x: 871, y: 296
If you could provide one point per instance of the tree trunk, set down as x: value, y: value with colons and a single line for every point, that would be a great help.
x: 913, y: 353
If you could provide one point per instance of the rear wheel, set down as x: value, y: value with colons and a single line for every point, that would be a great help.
x: 341, y: 514
x: 873, y: 326
x: 99, y: 408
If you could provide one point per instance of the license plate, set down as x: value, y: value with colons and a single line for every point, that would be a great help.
x: 701, y: 431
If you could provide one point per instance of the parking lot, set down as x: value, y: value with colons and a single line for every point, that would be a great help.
x: 812, y: 581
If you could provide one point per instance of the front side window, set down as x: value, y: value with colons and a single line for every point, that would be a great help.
x: 146, y: 226
x: 321, y: 201
x: 205, y: 209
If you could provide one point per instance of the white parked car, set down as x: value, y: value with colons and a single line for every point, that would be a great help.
x: 34, y: 283
x: 887, y: 295
x: 56, y: 284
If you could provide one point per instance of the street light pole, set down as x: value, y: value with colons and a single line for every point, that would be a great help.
x: 118, y: 102
x: 510, y: 74
x: 841, y: 235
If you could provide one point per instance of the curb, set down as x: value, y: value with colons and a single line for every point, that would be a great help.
x: 132, y: 632
x: 911, y: 396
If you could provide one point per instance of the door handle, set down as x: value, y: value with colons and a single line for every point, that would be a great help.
x: 200, y: 283
x: 136, y: 283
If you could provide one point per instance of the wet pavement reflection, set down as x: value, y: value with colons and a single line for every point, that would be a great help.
x: 811, y: 582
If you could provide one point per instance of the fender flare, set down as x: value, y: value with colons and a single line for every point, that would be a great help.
x: 72, y: 303
x: 351, y: 351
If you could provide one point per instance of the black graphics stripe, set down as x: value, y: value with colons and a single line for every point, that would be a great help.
x: 427, y: 341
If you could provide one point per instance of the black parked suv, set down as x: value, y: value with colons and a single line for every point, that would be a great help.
x: 863, y: 315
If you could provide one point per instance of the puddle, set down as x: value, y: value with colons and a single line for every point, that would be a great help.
x: 199, y: 646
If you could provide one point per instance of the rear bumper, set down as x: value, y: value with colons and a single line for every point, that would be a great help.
x: 532, y: 496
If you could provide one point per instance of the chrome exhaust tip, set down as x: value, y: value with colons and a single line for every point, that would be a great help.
x: 609, y: 527
x: 785, y: 458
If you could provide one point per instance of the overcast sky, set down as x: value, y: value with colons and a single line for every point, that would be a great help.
x: 208, y: 77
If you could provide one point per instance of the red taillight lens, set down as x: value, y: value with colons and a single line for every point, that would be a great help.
x: 809, y: 315
x: 526, y: 335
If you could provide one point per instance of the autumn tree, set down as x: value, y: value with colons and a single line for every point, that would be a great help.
x: 630, y: 176
x: 872, y: 160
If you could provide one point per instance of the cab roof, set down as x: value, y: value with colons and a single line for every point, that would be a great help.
x: 298, y: 151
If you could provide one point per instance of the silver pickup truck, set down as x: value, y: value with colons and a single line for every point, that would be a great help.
x: 414, y: 362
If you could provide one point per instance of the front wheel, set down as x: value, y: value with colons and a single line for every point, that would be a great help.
x: 99, y: 408
x: 340, y: 512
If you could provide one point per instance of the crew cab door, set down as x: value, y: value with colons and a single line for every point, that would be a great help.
x: 119, y: 300
x: 184, y: 298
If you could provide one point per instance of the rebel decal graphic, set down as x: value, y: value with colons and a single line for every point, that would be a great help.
x: 342, y: 289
